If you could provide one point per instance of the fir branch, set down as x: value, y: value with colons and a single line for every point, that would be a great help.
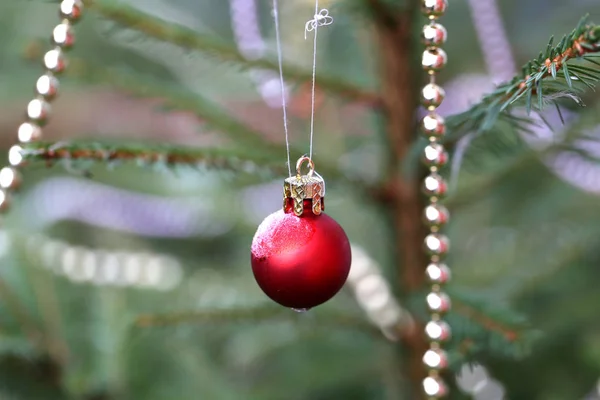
x: 19, y: 312
x: 189, y: 39
x: 246, y: 139
x: 173, y: 98
x: 211, y: 317
x: 44, y: 293
x: 550, y: 76
x: 142, y: 154
x: 521, y: 159
x: 479, y: 327
x: 505, y: 329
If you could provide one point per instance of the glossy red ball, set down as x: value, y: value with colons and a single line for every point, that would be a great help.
x: 300, y: 262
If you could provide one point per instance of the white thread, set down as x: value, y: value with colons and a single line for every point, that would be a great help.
x: 283, y: 105
x: 321, y: 18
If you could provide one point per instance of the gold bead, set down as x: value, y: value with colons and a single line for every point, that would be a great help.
x: 71, y: 9
x: 434, y: 186
x: 55, y: 61
x: 15, y: 156
x: 435, y: 359
x: 434, y: 387
x: 432, y: 95
x: 63, y: 36
x: 437, y: 273
x: 436, y: 215
x: 433, y: 126
x: 434, y: 8
x: 10, y: 178
x: 434, y: 60
x: 434, y: 35
x: 437, y: 331
x: 47, y: 87
x: 438, y: 302
x: 437, y: 244
x: 29, y: 132
x: 38, y: 110
x: 434, y: 156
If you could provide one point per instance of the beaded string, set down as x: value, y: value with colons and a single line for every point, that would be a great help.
x: 46, y: 89
x: 435, y: 215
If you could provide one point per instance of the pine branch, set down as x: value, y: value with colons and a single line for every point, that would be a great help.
x: 19, y: 311
x: 44, y: 293
x: 188, y: 39
x: 505, y: 329
x: 479, y: 327
x: 173, y: 98
x: 142, y: 154
x: 211, y: 317
x: 550, y: 76
x: 246, y: 139
x: 520, y: 160
x: 564, y: 258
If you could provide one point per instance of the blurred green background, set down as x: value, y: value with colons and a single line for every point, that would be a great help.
x: 133, y: 281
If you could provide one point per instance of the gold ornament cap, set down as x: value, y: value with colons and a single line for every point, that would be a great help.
x: 304, y: 193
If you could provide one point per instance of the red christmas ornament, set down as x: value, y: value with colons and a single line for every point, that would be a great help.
x: 300, y: 256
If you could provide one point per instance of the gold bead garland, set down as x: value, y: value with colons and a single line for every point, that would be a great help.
x: 46, y: 89
x: 435, y: 187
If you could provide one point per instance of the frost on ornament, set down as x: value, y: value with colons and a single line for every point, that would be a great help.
x: 301, y: 261
x: 278, y: 234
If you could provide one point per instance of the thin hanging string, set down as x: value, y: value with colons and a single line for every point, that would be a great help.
x: 321, y: 18
x: 282, y: 83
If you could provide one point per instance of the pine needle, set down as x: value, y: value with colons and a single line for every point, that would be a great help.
x: 553, y: 62
x: 127, y: 16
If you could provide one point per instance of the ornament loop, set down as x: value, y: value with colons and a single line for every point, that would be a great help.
x: 304, y: 192
x: 311, y: 166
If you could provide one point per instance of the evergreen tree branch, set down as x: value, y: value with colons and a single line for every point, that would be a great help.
x: 248, y: 141
x: 550, y: 76
x: 21, y: 315
x: 173, y: 98
x: 52, y: 319
x: 479, y: 327
x: 192, y: 40
x: 142, y: 154
x: 211, y: 317
x: 489, y: 323
x: 567, y: 257
x: 520, y: 161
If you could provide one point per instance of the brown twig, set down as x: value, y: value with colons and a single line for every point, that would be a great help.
x: 168, y: 155
x: 510, y: 333
x: 332, y: 320
x: 382, y: 13
x: 399, y: 95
